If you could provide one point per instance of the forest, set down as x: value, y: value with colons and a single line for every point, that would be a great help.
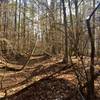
x: 49, y: 49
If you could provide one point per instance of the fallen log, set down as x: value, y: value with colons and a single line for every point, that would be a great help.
x: 62, y: 69
x: 9, y: 68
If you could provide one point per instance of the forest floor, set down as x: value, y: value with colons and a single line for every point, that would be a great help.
x: 34, y: 83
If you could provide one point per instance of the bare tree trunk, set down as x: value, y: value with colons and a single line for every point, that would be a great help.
x: 90, y: 87
x: 65, y: 59
x: 24, y: 26
x: 19, y: 19
x: 5, y: 19
x: 94, y: 18
x: 15, y: 17
x: 77, y: 26
x: 91, y: 94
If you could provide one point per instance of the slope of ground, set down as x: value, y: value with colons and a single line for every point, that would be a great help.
x: 32, y: 82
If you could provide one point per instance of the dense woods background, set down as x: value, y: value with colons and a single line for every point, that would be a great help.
x: 65, y: 29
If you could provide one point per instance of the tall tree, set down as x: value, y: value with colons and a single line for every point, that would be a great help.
x: 15, y: 16
x: 24, y: 24
x: 19, y: 24
x: 65, y: 59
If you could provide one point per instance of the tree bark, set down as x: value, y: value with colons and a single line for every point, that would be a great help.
x: 65, y: 59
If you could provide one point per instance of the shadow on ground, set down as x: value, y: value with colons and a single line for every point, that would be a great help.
x: 46, y: 89
x: 50, y: 69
